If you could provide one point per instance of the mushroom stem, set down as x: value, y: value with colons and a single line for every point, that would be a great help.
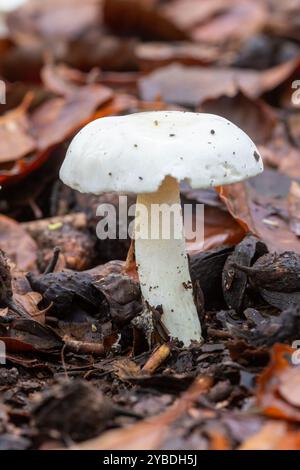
x: 162, y: 261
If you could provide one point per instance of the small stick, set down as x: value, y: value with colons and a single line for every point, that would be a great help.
x: 218, y: 333
x: 82, y: 347
x: 62, y: 355
x: 53, y: 262
x: 156, y: 359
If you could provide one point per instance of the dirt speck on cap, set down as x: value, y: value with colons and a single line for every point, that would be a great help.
x: 256, y: 155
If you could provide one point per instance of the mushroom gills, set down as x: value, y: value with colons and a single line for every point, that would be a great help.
x: 162, y: 261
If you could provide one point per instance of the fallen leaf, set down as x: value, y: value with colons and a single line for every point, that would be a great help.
x: 284, y: 19
x: 30, y: 302
x: 279, y: 386
x: 210, y: 21
x: 27, y: 335
x: 50, y: 20
x: 59, y: 118
x: 141, y: 17
x: 191, y: 86
x: 262, y: 215
x: 227, y: 26
x: 49, y: 124
x: 220, y: 228
x: 15, y: 123
x: 17, y: 244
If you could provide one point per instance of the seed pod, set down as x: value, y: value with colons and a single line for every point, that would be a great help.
x: 234, y: 280
x: 280, y: 300
x: 275, y: 272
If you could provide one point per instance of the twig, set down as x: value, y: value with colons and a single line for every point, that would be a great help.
x: 218, y: 333
x: 156, y: 359
x: 38, y: 214
x: 82, y: 347
x: 63, y: 361
x: 53, y: 262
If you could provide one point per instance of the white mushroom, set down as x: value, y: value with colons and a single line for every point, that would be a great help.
x: 149, y: 154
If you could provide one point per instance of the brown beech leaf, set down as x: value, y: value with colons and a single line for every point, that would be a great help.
x: 19, y: 359
x: 62, y: 80
x: 261, y: 215
x: 208, y: 21
x: 50, y: 20
x: 191, y: 86
x: 88, y: 47
x: 284, y: 20
x: 27, y: 335
x: 220, y: 229
x: 226, y: 25
x: 30, y: 302
x: 278, y: 388
x: 141, y: 17
x: 49, y: 124
x: 15, y: 123
x: 95, y: 49
x: 17, y: 244
x: 217, y: 21
x: 23, y: 167
x: 58, y: 118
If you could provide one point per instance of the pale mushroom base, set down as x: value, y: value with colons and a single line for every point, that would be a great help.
x: 163, y: 266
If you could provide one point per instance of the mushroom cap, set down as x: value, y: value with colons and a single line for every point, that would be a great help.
x: 135, y: 153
